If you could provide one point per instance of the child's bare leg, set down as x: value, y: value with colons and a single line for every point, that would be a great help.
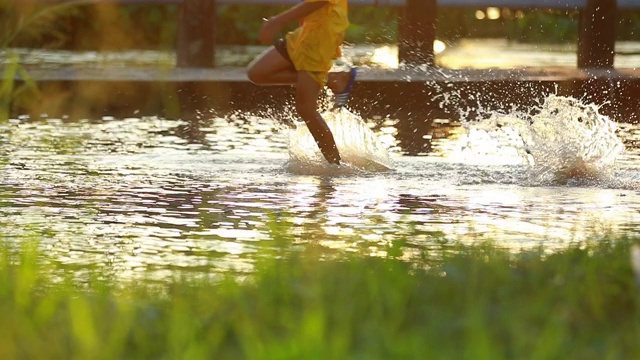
x: 307, y: 92
x: 270, y: 68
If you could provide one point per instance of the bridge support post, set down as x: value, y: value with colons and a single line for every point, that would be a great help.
x: 196, y: 34
x: 195, y: 48
x: 596, y: 45
x: 417, y: 32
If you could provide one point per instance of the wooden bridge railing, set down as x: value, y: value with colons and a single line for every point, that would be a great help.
x: 195, y: 45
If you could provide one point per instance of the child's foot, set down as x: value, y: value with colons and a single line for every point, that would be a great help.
x: 341, y: 99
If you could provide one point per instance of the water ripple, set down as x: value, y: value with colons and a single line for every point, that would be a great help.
x: 131, y: 194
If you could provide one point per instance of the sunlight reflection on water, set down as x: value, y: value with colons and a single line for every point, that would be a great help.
x: 166, y: 195
x: 139, y: 193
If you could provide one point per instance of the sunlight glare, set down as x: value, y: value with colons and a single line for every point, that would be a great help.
x: 493, y: 13
x: 386, y: 56
x: 439, y: 46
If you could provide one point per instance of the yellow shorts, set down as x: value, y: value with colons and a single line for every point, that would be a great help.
x: 319, y: 76
x: 316, y: 44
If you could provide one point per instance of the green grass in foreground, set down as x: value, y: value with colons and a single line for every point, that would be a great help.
x: 475, y: 302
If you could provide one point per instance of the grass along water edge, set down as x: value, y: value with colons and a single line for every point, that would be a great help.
x: 468, y: 301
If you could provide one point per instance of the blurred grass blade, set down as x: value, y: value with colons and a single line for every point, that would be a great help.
x: 635, y: 263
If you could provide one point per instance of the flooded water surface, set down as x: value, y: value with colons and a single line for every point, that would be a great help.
x: 146, y: 193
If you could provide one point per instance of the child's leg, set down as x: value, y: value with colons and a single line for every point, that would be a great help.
x: 271, y: 68
x: 307, y: 93
x: 341, y: 84
x: 337, y: 81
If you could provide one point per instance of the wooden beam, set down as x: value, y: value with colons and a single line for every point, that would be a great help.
x: 529, y: 4
x: 417, y: 32
x: 196, y: 34
x: 596, y: 44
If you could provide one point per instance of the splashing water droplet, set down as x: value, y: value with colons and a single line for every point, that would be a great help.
x: 566, y: 139
x: 360, y: 148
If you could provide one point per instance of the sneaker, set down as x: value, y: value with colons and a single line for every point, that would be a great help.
x: 342, y: 99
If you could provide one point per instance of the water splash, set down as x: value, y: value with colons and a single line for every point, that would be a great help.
x: 564, y: 139
x: 360, y: 148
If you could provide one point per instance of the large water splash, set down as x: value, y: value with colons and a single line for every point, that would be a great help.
x: 360, y: 148
x: 564, y: 139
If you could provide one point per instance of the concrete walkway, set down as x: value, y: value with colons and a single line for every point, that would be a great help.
x: 412, y: 95
x: 235, y: 74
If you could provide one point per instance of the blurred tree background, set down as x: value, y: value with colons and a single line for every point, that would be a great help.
x: 153, y: 26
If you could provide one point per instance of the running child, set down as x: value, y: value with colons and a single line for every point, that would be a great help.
x: 304, y: 58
